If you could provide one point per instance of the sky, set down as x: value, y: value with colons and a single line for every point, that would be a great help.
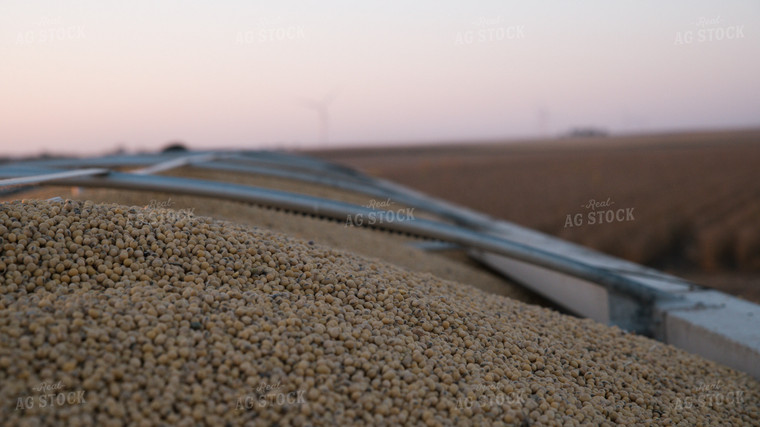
x: 88, y: 77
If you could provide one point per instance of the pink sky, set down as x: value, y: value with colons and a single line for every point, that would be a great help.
x: 86, y: 77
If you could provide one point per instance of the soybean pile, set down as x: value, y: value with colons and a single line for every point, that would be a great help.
x: 156, y: 316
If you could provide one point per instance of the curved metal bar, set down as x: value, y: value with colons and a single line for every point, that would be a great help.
x: 175, y: 163
x: 269, y: 159
x: 50, y: 176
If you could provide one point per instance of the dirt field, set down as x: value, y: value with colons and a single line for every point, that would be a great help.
x: 690, y: 203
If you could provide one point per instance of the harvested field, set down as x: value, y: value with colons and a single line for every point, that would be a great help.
x: 158, y: 316
x: 695, y: 198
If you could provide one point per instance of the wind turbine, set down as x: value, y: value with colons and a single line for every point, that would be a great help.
x: 321, y: 106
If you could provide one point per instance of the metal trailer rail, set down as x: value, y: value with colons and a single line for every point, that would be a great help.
x: 50, y: 176
x: 285, y: 162
x: 175, y: 163
x: 251, y: 163
x: 710, y: 323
